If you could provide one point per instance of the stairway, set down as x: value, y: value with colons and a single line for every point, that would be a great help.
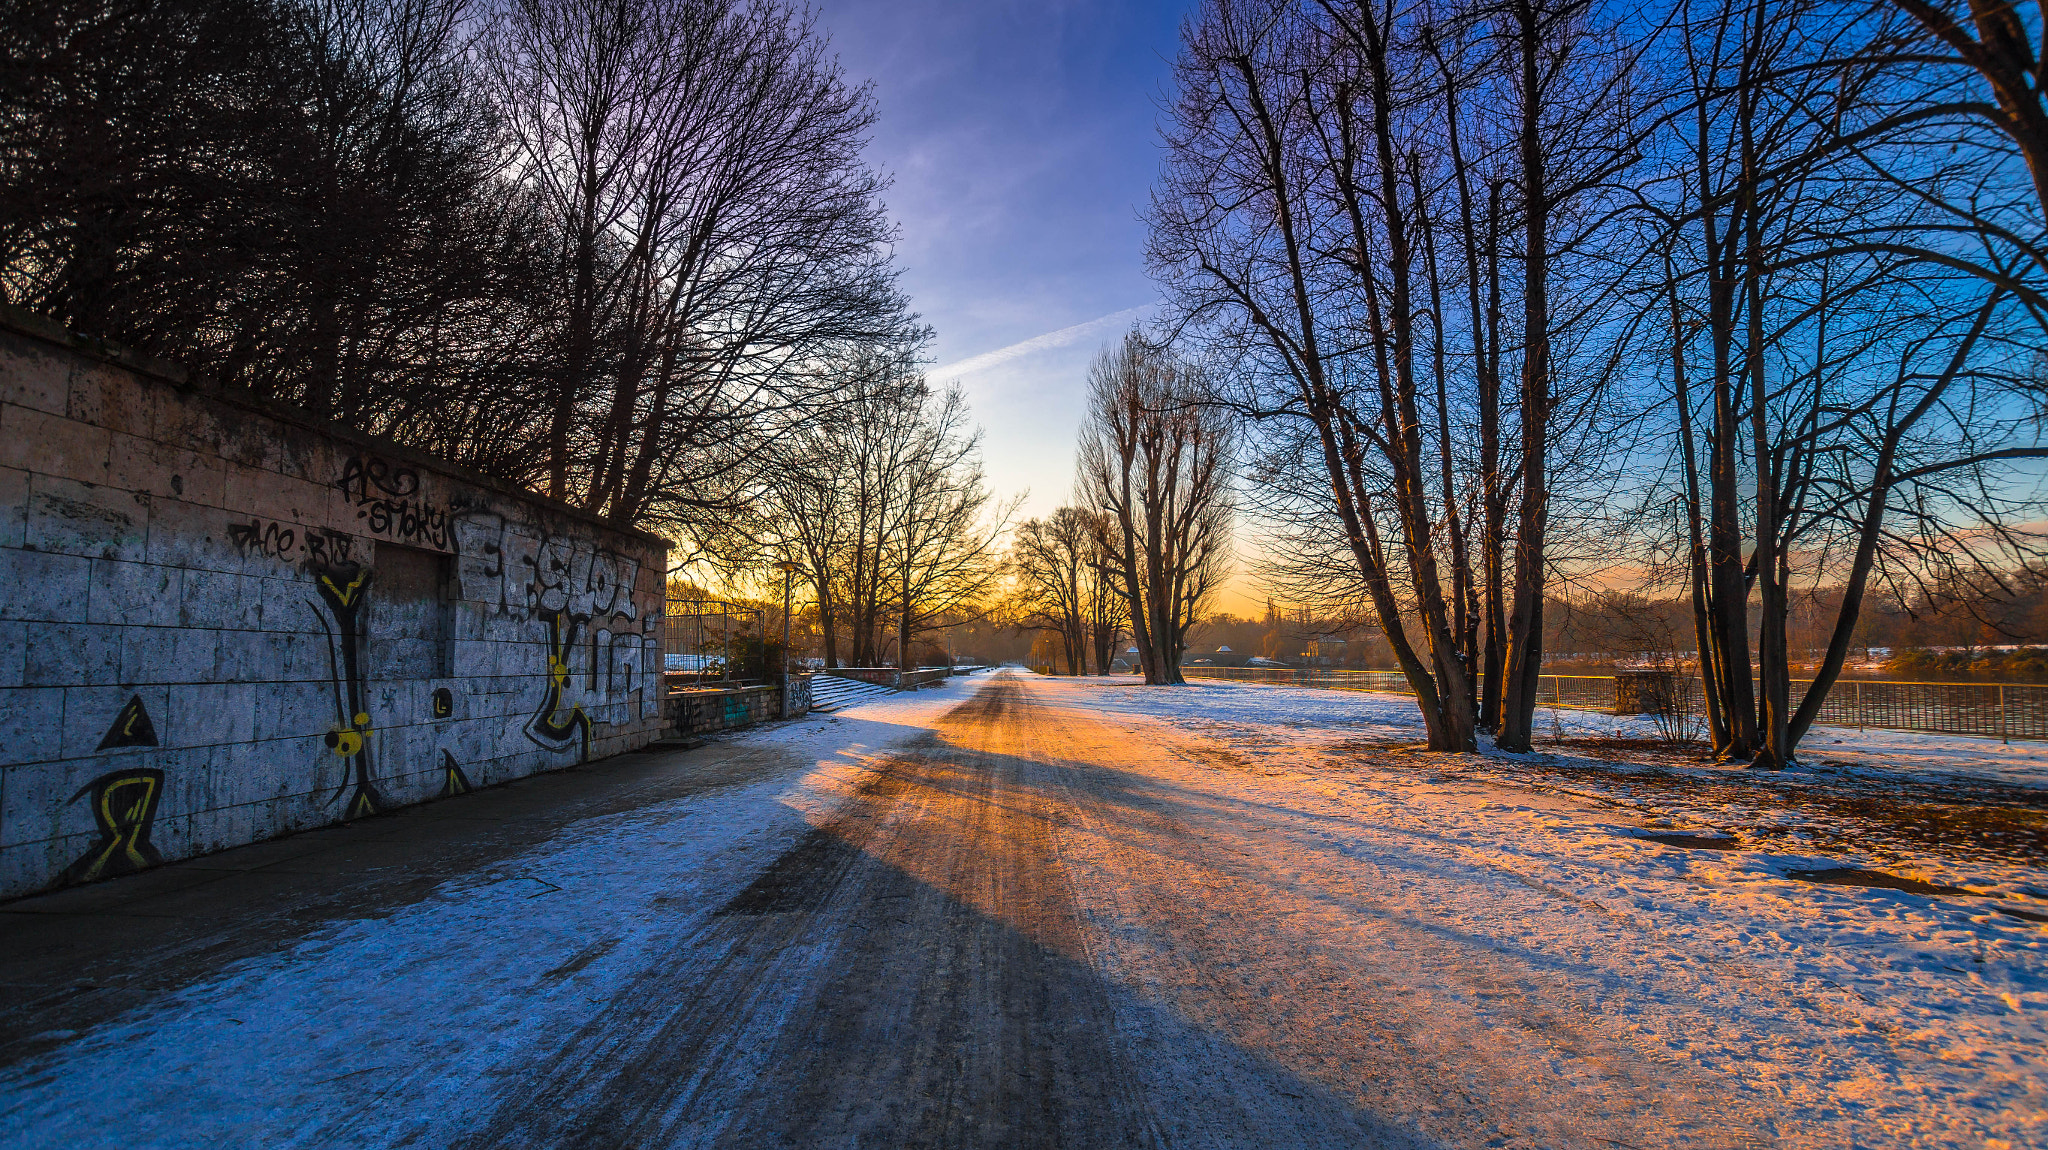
x: 835, y: 693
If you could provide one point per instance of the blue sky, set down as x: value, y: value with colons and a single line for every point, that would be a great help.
x: 1021, y: 137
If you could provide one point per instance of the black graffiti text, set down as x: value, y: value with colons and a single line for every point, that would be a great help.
x: 386, y: 501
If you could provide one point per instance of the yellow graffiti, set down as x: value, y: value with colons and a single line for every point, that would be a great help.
x: 123, y: 815
x: 348, y: 741
x: 346, y: 595
x: 558, y: 717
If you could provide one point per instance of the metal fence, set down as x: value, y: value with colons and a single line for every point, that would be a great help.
x: 1999, y: 710
x: 698, y: 637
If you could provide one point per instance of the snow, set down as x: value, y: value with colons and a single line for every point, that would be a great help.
x: 1484, y: 939
x: 297, y: 1047
x: 2023, y: 763
x: 1837, y: 1015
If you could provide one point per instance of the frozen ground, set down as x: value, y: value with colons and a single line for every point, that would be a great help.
x: 1867, y: 1016
x: 1034, y: 912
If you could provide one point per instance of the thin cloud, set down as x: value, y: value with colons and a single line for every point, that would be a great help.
x: 1037, y: 343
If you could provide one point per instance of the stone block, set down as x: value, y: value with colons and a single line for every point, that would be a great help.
x: 243, y: 440
x: 25, y: 867
x: 89, y: 714
x: 219, y: 828
x: 144, y: 594
x: 288, y: 603
x: 231, y: 775
x: 132, y: 465
x: 183, y: 534
x: 33, y: 374
x: 211, y: 714
x: 266, y: 495
x: 191, y: 422
x: 14, y: 488
x: 297, y: 710
x: 165, y: 471
x: 221, y: 600
x: 72, y: 655
x: 313, y: 657
x: 14, y: 653
x: 46, y: 444
x: 309, y: 458
x: 103, y: 395
x: 402, y: 702
x: 31, y: 726
x: 169, y: 654
x: 407, y: 755
x: 73, y: 518
x: 36, y: 585
x: 252, y: 656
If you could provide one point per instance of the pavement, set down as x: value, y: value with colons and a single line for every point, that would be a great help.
x: 75, y: 958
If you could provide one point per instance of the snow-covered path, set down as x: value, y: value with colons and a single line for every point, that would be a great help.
x: 1032, y: 912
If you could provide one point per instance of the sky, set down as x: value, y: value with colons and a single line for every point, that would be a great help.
x: 1022, y: 139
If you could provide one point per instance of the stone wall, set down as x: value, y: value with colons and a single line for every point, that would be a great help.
x: 222, y: 620
x: 796, y: 696
x: 879, y: 676
x: 699, y: 712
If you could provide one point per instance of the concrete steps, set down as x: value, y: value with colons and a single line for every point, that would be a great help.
x: 833, y: 693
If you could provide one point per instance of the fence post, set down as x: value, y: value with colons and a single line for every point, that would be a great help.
x: 1859, y: 704
x: 2004, y: 732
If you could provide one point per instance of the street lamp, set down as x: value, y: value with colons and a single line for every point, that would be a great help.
x: 788, y: 569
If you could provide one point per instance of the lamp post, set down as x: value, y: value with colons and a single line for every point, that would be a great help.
x: 788, y: 569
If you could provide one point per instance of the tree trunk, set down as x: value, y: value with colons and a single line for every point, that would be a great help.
x: 1493, y: 600
x: 1525, y: 625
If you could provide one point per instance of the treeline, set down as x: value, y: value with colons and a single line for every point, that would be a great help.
x: 1743, y: 294
x: 2002, y: 609
x: 878, y: 516
x: 618, y: 251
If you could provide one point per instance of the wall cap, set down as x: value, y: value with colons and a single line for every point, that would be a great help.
x: 27, y: 323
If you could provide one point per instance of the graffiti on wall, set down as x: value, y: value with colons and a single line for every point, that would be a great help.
x: 453, y: 782
x: 386, y: 498
x: 573, y: 586
x: 319, y: 546
x: 559, y: 724
x: 131, y: 728
x: 344, y: 590
x: 123, y: 810
x: 525, y: 575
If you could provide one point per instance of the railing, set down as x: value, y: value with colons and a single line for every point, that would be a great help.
x: 697, y: 637
x: 1999, y: 710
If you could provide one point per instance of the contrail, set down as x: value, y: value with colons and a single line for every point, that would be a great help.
x: 1037, y: 343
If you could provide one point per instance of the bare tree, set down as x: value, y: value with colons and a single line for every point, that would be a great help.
x: 947, y: 536
x: 701, y: 159
x: 1155, y: 456
x: 1050, y: 562
x: 1107, y: 611
x: 1797, y: 279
